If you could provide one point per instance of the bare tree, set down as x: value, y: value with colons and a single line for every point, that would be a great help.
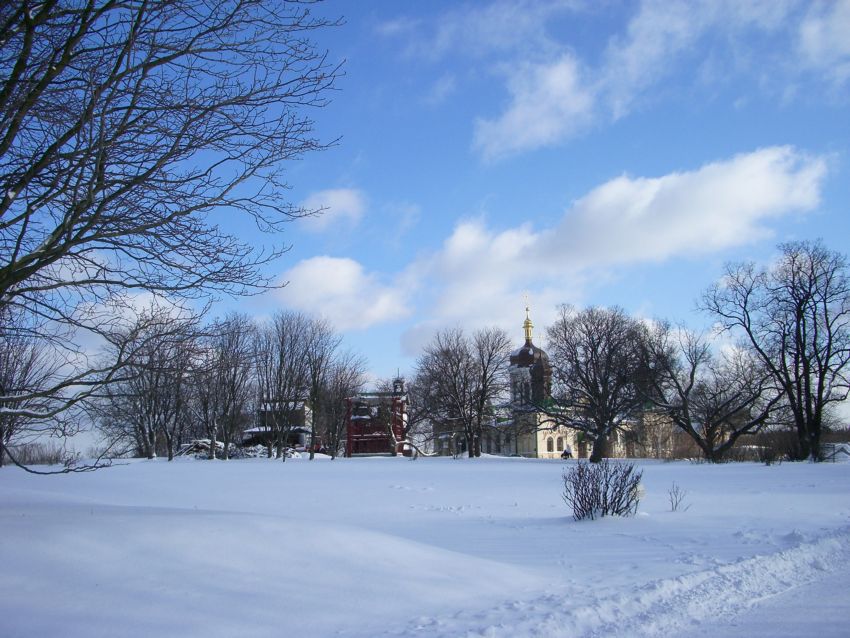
x: 204, y: 401
x: 236, y: 378
x: 27, y: 366
x: 223, y: 380
x: 462, y: 378
x: 597, y: 373
x: 150, y: 401
x: 491, y: 350
x: 126, y: 124
x: 795, y: 317
x: 322, y: 344
x: 345, y: 378
x: 418, y: 429
x: 714, y: 399
x: 283, y: 376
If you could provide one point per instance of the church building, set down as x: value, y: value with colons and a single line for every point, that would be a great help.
x: 533, y: 435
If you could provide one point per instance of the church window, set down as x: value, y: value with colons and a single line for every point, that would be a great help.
x: 560, y: 444
x: 550, y: 445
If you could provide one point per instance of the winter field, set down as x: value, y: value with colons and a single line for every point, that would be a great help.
x: 433, y: 547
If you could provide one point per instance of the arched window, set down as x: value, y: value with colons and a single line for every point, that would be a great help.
x: 560, y: 444
x: 550, y: 445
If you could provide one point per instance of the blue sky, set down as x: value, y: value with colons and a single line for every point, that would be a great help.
x: 580, y: 152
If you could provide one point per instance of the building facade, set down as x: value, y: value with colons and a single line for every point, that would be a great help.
x: 375, y: 422
x: 529, y: 433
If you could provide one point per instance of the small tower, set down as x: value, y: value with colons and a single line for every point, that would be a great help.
x: 531, y: 374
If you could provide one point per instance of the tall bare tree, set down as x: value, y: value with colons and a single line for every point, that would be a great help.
x: 714, y: 399
x: 462, y: 378
x: 597, y: 372
x: 223, y: 380
x: 322, y: 345
x: 27, y: 367
x: 491, y: 348
x: 346, y: 378
x: 124, y: 126
x: 418, y: 429
x: 283, y: 375
x: 150, y: 401
x: 795, y: 317
x: 236, y: 377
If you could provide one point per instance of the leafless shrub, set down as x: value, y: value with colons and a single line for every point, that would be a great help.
x: 677, y: 496
x: 594, y: 490
x: 50, y: 453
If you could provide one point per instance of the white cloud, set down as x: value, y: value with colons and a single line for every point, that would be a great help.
x: 824, y: 42
x: 549, y: 102
x: 340, y: 290
x: 720, y: 205
x: 445, y: 85
x: 480, y: 29
x: 627, y: 220
x: 663, y: 32
x: 405, y: 216
x: 337, y: 205
x: 397, y: 27
x: 555, y: 95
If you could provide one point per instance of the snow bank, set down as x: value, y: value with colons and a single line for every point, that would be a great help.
x: 384, y: 546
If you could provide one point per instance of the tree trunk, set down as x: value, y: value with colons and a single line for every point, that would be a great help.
x: 804, y: 439
x: 313, y: 435
x: 712, y: 455
x: 600, y: 449
x: 814, y: 445
x: 150, y: 444
x: 2, y: 447
x: 225, y: 439
x: 212, y: 441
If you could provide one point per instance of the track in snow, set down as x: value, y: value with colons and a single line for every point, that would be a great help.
x: 658, y: 608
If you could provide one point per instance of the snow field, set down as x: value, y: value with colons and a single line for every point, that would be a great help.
x: 435, y: 547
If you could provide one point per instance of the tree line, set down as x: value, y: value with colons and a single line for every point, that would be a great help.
x: 776, y: 358
x: 190, y: 382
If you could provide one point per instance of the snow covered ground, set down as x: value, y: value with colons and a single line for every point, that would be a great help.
x: 434, y: 547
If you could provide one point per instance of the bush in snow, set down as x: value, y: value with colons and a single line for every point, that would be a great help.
x: 677, y: 496
x: 593, y: 490
x: 48, y: 453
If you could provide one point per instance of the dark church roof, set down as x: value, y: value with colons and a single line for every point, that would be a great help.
x: 529, y: 354
x: 536, y: 361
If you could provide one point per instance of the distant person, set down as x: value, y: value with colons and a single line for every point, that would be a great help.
x: 567, y: 453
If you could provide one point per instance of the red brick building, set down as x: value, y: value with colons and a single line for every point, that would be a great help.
x: 375, y: 422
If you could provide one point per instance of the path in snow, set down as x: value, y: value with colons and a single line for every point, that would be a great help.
x: 815, y: 609
x: 745, y: 591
